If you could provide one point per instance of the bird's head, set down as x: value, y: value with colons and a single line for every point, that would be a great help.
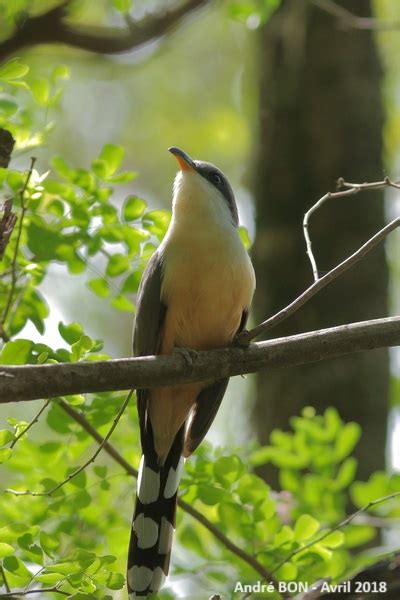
x: 201, y: 187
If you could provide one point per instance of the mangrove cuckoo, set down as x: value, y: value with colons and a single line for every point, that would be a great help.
x: 195, y: 293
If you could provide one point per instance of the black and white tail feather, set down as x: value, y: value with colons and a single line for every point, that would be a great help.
x: 154, y: 519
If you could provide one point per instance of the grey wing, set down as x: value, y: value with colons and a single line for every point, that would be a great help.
x: 150, y: 310
x: 206, y: 407
x: 149, y: 322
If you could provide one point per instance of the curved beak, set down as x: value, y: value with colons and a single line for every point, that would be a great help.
x: 184, y: 160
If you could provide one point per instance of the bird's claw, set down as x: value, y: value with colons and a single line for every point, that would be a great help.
x: 188, y: 354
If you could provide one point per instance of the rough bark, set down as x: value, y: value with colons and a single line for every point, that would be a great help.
x: 31, y: 382
x: 320, y: 118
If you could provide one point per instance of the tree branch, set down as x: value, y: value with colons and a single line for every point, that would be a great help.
x: 86, y: 464
x: 216, y: 532
x: 30, y: 382
x: 51, y: 27
x: 337, y: 527
x: 349, y: 20
x: 350, y: 190
x: 246, y: 336
x: 17, y: 595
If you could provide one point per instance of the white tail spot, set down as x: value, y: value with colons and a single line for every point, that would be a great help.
x: 158, y: 579
x: 148, y: 484
x: 173, y: 479
x: 139, y: 578
x: 146, y: 530
x: 166, y: 534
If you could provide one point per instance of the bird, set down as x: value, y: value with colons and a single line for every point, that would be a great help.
x: 195, y: 293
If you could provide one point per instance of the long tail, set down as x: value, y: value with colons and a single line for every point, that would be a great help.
x: 154, y: 521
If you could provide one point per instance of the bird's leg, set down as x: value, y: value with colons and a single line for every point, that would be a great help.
x: 188, y: 354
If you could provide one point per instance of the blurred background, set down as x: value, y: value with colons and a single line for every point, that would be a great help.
x: 284, y: 96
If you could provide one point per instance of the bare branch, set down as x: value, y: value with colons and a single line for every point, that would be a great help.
x: 86, y: 464
x: 246, y: 336
x: 30, y: 382
x: 52, y: 27
x: 351, y: 190
x: 349, y: 20
x: 17, y: 595
x: 216, y: 532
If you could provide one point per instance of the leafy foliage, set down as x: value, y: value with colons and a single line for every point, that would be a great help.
x: 73, y: 539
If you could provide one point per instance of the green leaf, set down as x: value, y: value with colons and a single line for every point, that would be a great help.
x: 123, y: 6
x: 100, y: 287
x: 79, y: 480
x: 122, y: 303
x: 100, y: 470
x: 61, y: 72
x: 6, y: 550
x: 116, y: 581
x: 13, y: 69
x: 5, y: 455
x: 306, y: 526
x: 41, y: 90
x: 70, y: 333
x: 81, y: 347
x: 5, y: 437
x: 287, y: 572
x: 346, y: 474
x: 210, y: 494
x: 157, y: 221
x: 252, y: 12
x: 346, y: 440
x: 8, y: 107
x: 117, y: 264
x: 49, y: 543
x: 333, y: 539
x: 75, y: 399
x: 252, y: 489
x: 133, y: 208
x: 244, y: 236
x: 62, y: 168
x: 227, y: 469
x: 49, y: 578
x: 16, y: 352
x: 17, y: 567
x: 58, y: 420
x: 131, y: 283
x: 112, y: 156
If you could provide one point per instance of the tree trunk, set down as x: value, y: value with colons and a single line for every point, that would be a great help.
x: 320, y: 118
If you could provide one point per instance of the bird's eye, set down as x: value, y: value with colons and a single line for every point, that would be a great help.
x: 215, y: 178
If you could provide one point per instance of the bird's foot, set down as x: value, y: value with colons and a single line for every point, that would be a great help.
x: 241, y: 339
x: 188, y: 354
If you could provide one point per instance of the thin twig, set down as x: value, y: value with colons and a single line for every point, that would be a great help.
x: 34, y: 420
x: 350, y: 20
x: 19, y: 233
x: 86, y: 464
x: 111, y: 451
x: 3, y: 574
x: 351, y: 190
x: 245, y: 337
x: 340, y: 525
x: 16, y: 595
